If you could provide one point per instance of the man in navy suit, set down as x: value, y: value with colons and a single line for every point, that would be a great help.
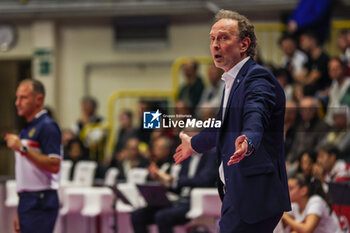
x: 249, y: 144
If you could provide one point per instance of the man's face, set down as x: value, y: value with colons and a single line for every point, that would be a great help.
x: 288, y: 47
x: 335, y: 69
x: 307, y: 109
x: 88, y: 108
x: 26, y: 100
x: 295, y: 191
x: 324, y: 160
x: 226, y: 47
x: 305, y: 43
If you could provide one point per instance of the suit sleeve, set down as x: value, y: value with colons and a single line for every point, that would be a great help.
x: 205, y: 140
x: 259, y: 102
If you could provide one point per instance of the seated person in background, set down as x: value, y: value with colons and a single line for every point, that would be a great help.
x: 340, y: 135
x: 88, y: 115
x: 94, y: 139
x: 339, y: 92
x: 311, y: 207
x: 126, y: 130
x: 293, y: 59
x: 161, y: 159
x: 192, y: 90
x: 67, y: 135
x: 284, y: 78
x: 343, y: 42
x: 197, y: 171
x: 314, y: 77
x: 212, y: 95
x: 76, y: 152
x: 290, y: 124
x: 328, y: 167
x: 128, y: 158
x: 306, y: 162
x: 310, y: 130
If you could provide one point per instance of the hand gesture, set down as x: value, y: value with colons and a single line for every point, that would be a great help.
x: 13, y: 142
x: 184, y: 150
x: 241, y: 146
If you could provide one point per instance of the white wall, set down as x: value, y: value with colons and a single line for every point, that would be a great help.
x: 82, y: 45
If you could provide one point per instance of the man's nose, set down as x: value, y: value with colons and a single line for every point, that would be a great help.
x: 215, y: 45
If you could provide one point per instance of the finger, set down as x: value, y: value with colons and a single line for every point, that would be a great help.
x: 234, y: 160
x: 179, y: 148
x: 239, y: 153
x: 179, y: 160
x: 177, y: 154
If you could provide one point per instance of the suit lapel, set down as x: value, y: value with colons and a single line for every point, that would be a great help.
x: 241, y: 74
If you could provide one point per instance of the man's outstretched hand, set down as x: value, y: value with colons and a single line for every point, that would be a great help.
x: 184, y: 150
x: 241, y: 150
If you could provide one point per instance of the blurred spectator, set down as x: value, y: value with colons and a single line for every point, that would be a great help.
x: 182, y: 112
x: 197, y: 171
x: 311, y: 207
x: 340, y: 135
x: 343, y: 42
x: 207, y: 111
x: 161, y: 159
x: 306, y: 161
x: 86, y: 128
x: 193, y: 88
x: 339, y: 93
x: 126, y: 130
x: 129, y: 158
x: 294, y: 59
x: 290, y: 125
x: 311, y: 15
x: 161, y: 151
x: 76, y: 152
x: 298, y: 92
x: 284, y: 78
x: 310, y: 131
x: 314, y: 76
x: 329, y: 168
x: 67, y: 135
x: 88, y: 114
x: 212, y: 95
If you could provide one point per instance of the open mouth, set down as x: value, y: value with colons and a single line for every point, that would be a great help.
x: 217, y: 56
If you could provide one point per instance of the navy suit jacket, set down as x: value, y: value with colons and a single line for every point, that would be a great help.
x: 257, y: 185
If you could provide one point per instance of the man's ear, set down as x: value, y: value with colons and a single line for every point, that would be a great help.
x: 245, y: 44
x: 39, y: 98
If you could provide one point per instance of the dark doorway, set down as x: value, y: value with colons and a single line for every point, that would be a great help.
x: 11, y: 73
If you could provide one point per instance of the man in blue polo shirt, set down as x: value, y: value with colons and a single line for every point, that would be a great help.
x: 38, y: 154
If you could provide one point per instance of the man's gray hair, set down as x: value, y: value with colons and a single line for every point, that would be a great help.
x: 38, y: 87
x: 246, y: 29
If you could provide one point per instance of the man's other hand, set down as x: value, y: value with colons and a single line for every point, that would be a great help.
x: 241, y: 146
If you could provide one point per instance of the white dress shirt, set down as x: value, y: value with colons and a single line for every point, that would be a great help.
x: 229, y: 78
